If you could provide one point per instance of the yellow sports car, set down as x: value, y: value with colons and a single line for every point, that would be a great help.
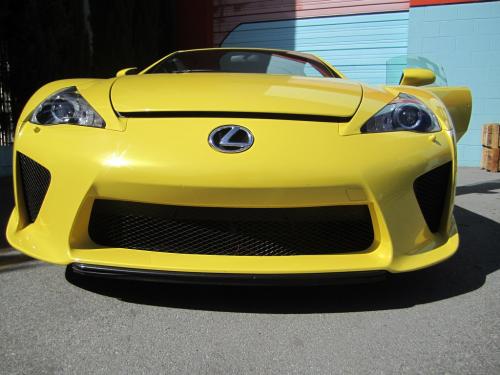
x: 238, y: 165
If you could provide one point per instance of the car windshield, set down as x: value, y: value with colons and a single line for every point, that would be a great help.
x: 241, y: 61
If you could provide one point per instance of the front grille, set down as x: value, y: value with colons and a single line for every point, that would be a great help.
x: 231, y: 231
x: 431, y: 190
x: 35, y: 180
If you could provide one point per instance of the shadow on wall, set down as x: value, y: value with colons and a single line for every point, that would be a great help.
x: 395, y: 66
x: 95, y: 40
x: 477, y: 257
x: 246, y: 24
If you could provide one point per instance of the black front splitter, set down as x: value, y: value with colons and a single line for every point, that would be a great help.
x: 226, y: 278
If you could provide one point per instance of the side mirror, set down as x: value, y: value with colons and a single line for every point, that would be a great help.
x: 126, y: 72
x: 417, y: 77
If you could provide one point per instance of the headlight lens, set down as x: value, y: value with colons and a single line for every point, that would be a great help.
x: 67, y: 107
x: 404, y: 113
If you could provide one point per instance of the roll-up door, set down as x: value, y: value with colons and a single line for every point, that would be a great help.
x: 358, y: 37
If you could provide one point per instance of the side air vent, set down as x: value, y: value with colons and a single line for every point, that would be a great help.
x: 431, y: 190
x: 35, y: 180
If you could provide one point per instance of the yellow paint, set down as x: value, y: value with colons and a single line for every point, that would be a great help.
x: 223, y: 92
x: 124, y: 72
x: 457, y: 102
x: 417, y: 77
x: 291, y: 164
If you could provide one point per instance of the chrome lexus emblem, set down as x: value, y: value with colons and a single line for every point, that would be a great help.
x: 230, y: 138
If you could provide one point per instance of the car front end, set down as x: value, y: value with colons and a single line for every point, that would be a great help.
x: 315, y: 194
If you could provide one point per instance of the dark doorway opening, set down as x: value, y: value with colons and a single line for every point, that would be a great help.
x: 43, y: 41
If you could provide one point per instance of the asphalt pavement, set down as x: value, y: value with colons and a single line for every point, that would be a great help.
x: 444, y: 319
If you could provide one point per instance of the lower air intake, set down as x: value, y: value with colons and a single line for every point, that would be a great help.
x: 231, y: 231
x: 35, y: 180
x: 431, y: 190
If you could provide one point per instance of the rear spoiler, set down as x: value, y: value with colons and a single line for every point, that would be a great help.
x: 458, y: 101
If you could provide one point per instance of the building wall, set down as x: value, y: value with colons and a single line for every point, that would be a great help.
x: 465, y: 40
x: 358, y: 37
x: 359, y: 45
x: 372, y: 40
x: 228, y: 14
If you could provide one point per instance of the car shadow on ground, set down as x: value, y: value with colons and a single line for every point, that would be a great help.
x: 477, y: 257
x: 479, y: 188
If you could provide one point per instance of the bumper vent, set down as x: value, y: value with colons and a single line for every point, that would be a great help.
x: 35, y: 180
x: 231, y: 231
x: 431, y: 190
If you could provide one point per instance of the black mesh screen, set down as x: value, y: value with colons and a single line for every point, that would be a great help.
x: 35, y: 180
x: 431, y: 190
x: 231, y: 231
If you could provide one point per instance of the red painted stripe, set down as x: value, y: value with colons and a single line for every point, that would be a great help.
x: 416, y: 3
x: 230, y: 8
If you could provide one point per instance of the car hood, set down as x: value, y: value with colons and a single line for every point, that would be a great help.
x: 236, y: 92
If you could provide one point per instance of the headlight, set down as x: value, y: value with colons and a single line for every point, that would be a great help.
x: 67, y: 107
x: 404, y: 113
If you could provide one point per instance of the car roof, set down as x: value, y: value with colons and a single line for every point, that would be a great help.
x: 304, y: 55
x: 289, y: 52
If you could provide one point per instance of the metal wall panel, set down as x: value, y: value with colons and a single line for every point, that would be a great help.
x: 228, y: 14
x: 359, y: 45
x: 465, y: 40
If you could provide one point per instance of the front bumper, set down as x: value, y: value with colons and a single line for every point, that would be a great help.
x: 169, y: 162
x: 297, y: 279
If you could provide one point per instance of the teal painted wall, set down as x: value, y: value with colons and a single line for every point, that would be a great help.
x: 465, y: 40
x: 359, y: 45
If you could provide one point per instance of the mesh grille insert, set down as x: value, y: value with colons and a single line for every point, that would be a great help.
x: 35, y: 180
x: 231, y: 231
x: 431, y: 190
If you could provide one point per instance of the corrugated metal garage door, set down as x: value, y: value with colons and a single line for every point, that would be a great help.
x: 360, y: 45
